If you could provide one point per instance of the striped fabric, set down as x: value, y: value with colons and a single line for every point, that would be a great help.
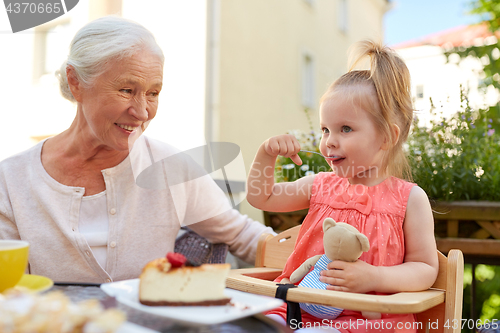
x: 311, y: 280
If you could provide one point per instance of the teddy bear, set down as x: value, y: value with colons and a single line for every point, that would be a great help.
x: 341, y: 242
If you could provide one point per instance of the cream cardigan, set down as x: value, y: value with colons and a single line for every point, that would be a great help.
x: 143, y: 220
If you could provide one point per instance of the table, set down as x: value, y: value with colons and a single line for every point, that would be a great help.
x: 474, y: 228
x: 471, y: 226
x: 258, y: 323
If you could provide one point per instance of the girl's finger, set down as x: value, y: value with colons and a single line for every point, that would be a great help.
x: 337, y: 285
x: 290, y: 147
x: 296, y: 145
x: 283, y: 149
x: 336, y: 264
x: 296, y: 159
x: 292, y: 152
x: 333, y: 281
x: 273, y: 147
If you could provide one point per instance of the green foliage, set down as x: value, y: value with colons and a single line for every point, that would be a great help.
x: 488, y: 52
x: 457, y: 158
x: 487, y: 293
x: 287, y: 171
x: 489, y: 10
x: 465, y: 183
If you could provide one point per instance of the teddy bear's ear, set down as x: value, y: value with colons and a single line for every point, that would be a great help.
x: 363, y: 240
x: 328, y: 223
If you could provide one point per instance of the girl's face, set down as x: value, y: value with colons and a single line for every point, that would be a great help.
x: 350, y: 136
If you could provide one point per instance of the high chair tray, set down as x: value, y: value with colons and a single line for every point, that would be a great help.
x: 259, y: 281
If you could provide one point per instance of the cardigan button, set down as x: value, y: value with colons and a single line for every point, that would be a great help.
x: 112, y: 244
x: 112, y: 211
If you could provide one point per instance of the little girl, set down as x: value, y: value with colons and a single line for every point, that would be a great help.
x: 365, y: 117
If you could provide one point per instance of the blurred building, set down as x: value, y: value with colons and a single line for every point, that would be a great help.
x: 436, y: 78
x: 272, y: 59
x: 238, y: 71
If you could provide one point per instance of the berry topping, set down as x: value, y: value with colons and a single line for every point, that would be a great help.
x: 176, y: 259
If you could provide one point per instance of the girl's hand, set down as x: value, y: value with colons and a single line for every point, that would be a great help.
x: 285, y: 281
x: 285, y: 145
x: 262, y: 192
x: 356, y: 277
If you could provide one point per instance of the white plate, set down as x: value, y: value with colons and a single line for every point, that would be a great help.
x: 243, y: 305
x: 128, y: 327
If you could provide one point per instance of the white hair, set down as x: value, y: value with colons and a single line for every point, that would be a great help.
x: 103, y: 40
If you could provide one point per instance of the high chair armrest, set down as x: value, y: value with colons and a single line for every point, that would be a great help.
x: 259, y: 281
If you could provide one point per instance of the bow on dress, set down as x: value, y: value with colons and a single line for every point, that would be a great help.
x: 356, y: 197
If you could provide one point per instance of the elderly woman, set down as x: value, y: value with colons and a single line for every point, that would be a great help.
x: 76, y: 197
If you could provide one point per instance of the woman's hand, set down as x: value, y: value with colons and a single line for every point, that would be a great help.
x: 285, y: 145
x: 356, y: 277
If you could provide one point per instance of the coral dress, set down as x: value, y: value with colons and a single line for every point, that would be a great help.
x: 376, y: 211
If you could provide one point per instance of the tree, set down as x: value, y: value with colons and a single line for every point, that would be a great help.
x: 487, y: 295
x: 489, y: 54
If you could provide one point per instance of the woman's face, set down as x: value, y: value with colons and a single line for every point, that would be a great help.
x: 121, y: 100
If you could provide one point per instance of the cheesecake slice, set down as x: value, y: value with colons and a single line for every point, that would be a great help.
x: 161, y: 283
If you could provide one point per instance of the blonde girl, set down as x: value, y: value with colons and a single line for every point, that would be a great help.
x: 365, y: 118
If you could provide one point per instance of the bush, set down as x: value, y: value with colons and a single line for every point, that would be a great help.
x: 487, y: 294
x: 457, y: 158
x: 287, y: 171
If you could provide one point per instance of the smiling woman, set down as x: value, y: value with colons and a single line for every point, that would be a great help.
x: 115, y: 106
x: 75, y: 197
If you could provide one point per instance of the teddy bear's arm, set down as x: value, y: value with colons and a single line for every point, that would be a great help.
x: 300, y: 272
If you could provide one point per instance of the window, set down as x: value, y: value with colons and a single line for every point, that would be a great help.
x: 420, y: 91
x: 51, y: 48
x: 57, y: 47
x: 343, y: 15
x: 308, y: 90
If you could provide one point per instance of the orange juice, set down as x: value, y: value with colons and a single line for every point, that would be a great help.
x: 13, y: 262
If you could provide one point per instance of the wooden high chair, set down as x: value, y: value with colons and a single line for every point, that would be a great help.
x: 440, y: 304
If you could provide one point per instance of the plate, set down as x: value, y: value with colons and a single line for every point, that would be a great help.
x: 128, y: 327
x: 34, y: 283
x: 242, y: 305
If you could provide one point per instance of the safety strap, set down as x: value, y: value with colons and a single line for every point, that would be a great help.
x: 292, y: 308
